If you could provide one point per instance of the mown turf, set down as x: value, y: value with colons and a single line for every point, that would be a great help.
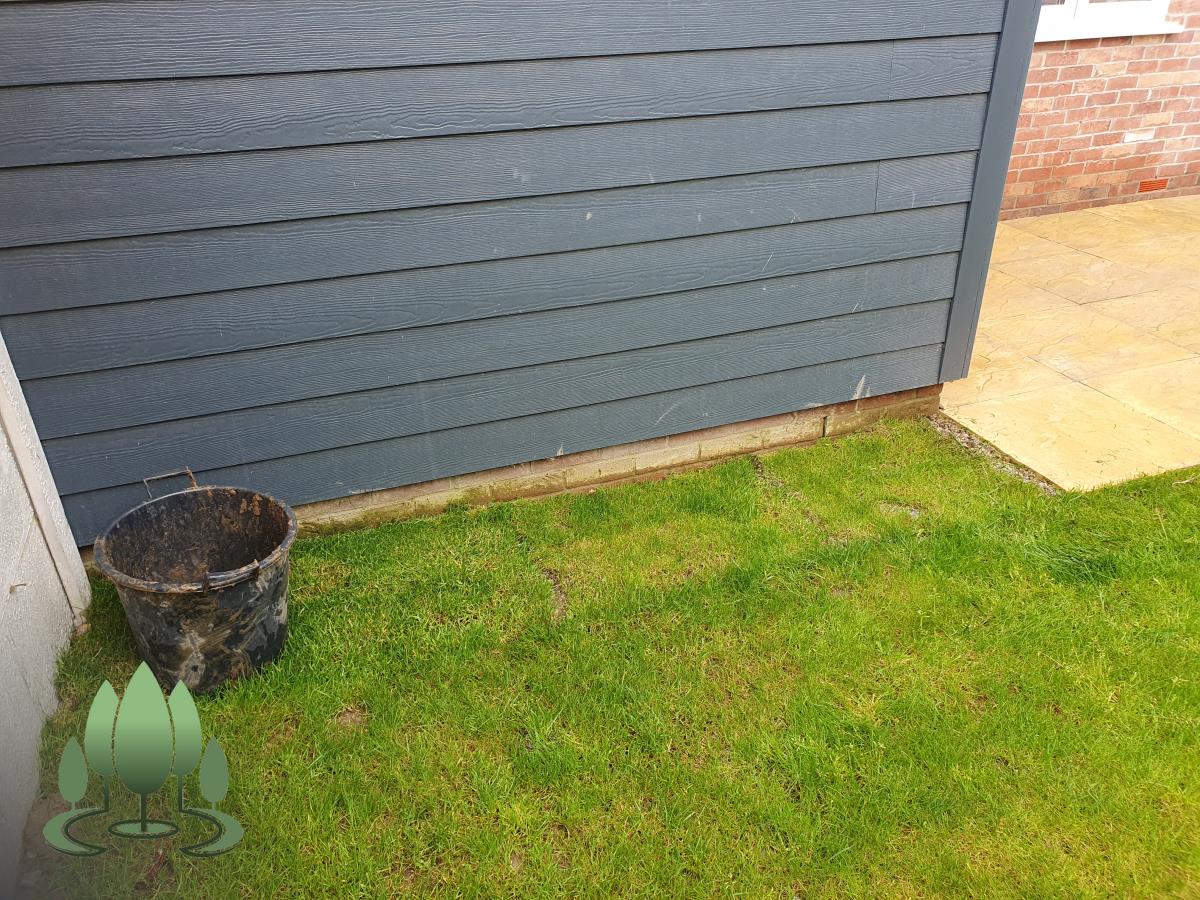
x: 875, y: 667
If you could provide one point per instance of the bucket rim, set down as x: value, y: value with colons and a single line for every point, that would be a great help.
x: 215, y: 579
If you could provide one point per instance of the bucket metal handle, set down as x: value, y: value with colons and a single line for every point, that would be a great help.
x: 211, y: 581
x: 183, y: 471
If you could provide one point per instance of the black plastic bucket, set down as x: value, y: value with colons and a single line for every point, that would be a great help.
x: 203, y: 577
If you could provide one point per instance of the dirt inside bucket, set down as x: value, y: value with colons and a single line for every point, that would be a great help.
x: 180, y: 538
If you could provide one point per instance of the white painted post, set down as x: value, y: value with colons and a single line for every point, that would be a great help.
x: 35, y: 471
x: 43, y: 590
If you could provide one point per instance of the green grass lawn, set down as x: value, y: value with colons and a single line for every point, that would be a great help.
x: 876, y: 667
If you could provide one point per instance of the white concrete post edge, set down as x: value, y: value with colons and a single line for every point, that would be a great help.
x: 35, y: 471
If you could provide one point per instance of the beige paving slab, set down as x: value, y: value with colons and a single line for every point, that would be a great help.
x: 1153, y: 215
x: 997, y: 371
x: 1083, y: 277
x: 1007, y: 296
x: 1172, y: 314
x: 1189, y: 205
x: 1087, y: 362
x: 1081, y: 343
x: 1054, y: 226
x: 1013, y: 243
x: 1083, y: 229
x: 1077, y: 437
x: 1169, y: 393
x: 1047, y: 226
x: 1173, y: 257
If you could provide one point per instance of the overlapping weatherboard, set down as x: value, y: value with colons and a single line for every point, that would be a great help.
x: 94, y: 273
x: 320, y: 248
x: 133, y: 197
x: 276, y: 374
x: 174, y: 117
x: 102, y: 40
x: 882, y: 293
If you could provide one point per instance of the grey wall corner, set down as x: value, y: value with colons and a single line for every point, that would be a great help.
x: 1000, y: 127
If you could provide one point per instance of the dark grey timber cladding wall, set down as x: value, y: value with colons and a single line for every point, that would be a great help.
x: 320, y: 247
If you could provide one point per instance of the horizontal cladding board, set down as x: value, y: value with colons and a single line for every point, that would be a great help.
x: 95, y: 40
x: 129, y: 120
x: 317, y: 310
x: 90, y: 273
x: 194, y: 262
x: 162, y: 391
x: 456, y: 451
x: 94, y: 200
x: 885, y: 320
x: 925, y: 181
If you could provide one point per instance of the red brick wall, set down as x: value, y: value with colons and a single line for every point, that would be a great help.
x: 1100, y: 116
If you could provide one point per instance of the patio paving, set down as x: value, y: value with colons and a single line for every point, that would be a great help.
x: 1087, y: 362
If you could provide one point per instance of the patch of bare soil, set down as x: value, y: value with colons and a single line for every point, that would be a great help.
x: 350, y: 717
x: 999, y: 461
x: 38, y: 861
x: 560, y: 595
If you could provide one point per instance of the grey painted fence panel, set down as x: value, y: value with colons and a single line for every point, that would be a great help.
x: 90, y: 122
x: 95, y: 40
x: 365, y: 467
x: 161, y: 391
x: 206, y: 442
x: 123, y: 269
x: 92, y: 200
